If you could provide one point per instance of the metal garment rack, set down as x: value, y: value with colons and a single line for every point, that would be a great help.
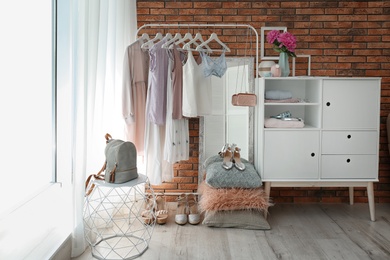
x: 202, y: 26
x: 152, y: 25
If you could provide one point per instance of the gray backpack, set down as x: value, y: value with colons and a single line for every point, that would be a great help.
x: 121, y: 161
x: 120, y: 165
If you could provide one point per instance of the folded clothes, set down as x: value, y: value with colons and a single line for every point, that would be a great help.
x: 278, y: 94
x: 279, y: 123
x: 289, y: 100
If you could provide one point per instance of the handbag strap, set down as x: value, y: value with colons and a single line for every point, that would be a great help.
x: 243, y: 66
x: 97, y: 176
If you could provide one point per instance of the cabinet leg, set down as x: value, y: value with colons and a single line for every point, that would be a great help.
x: 267, y: 190
x: 351, y: 196
x: 371, y: 202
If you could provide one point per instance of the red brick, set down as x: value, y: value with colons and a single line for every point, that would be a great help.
x: 236, y: 5
x: 324, y: 18
x: 191, y: 11
x: 208, y: 4
x: 266, y: 4
x: 164, y: 11
x: 295, y: 4
x: 338, y: 52
x: 339, y: 11
x: 310, y: 11
x: 378, y: 17
x: 180, y: 5
x: 337, y: 25
x: 149, y: 4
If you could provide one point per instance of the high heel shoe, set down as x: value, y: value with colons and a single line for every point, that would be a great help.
x: 181, y: 211
x: 237, y: 158
x: 193, y: 213
x: 227, y: 157
x: 161, y: 210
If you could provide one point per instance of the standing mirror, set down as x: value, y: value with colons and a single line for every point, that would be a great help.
x: 228, y: 123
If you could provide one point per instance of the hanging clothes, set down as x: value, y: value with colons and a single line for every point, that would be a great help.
x: 158, y: 69
x: 157, y: 169
x: 197, y: 94
x: 178, y: 58
x: 134, y: 90
x: 176, y: 146
x: 216, y: 67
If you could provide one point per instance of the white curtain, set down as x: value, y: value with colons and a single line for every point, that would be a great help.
x: 101, y: 31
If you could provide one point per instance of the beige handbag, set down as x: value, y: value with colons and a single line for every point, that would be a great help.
x: 244, y: 99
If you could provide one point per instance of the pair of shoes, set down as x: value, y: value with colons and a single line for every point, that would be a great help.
x: 231, y: 156
x: 187, y: 210
x: 286, y: 114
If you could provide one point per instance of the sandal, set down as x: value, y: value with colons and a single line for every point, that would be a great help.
x: 161, y: 210
x: 237, y: 158
x: 147, y: 214
x: 227, y: 156
x: 193, y: 215
x: 181, y: 211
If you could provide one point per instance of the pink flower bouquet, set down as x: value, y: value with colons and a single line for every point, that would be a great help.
x: 283, y: 42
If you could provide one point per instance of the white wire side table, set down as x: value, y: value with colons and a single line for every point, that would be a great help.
x: 113, y: 223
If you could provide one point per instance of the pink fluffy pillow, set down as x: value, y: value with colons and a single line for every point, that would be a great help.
x: 214, y: 199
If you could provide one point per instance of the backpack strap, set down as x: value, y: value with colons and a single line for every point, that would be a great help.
x: 108, y: 138
x: 97, y: 176
x: 112, y: 174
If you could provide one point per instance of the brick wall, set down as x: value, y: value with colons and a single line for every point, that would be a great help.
x: 344, y: 38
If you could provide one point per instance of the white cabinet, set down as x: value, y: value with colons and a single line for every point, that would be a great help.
x: 339, y: 143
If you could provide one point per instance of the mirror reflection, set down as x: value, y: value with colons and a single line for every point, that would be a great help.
x: 228, y: 123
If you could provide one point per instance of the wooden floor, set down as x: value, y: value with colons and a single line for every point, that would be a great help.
x: 298, y: 231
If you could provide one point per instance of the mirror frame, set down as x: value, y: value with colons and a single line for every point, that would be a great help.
x: 251, y: 79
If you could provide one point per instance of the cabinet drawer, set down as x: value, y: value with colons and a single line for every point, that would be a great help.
x: 349, y: 142
x: 349, y: 167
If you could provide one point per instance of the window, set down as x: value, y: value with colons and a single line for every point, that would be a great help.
x: 27, y: 100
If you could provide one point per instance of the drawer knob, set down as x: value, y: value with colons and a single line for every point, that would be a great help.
x: 349, y: 136
x: 313, y: 154
x: 327, y: 103
x: 348, y: 160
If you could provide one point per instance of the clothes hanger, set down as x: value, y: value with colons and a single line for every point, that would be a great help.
x: 168, y: 36
x: 150, y: 43
x: 187, y: 36
x: 214, y: 37
x: 198, y: 37
x: 168, y: 43
x: 144, y: 38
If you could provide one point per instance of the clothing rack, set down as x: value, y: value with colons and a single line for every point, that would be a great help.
x: 208, y: 26
x: 198, y: 26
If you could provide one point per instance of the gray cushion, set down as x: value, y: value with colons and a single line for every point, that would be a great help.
x: 219, y: 177
x: 245, y: 219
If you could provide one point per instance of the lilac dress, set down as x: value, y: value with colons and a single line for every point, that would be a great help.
x: 158, y: 70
